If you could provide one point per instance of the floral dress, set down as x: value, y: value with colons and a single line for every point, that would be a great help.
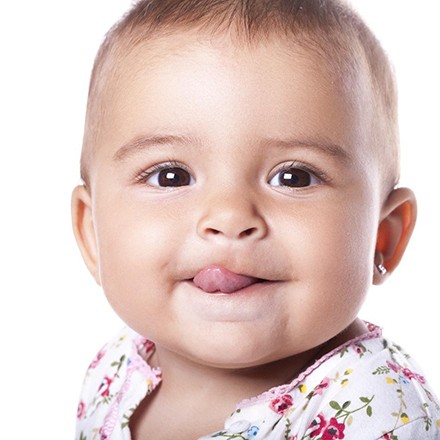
x: 367, y: 389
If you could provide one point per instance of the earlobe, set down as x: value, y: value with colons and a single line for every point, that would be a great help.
x: 84, y: 230
x: 398, y: 218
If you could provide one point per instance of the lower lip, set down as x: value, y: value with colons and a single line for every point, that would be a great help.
x: 248, y: 304
x: 245, y: 290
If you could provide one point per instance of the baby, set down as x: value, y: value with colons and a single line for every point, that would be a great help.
x: 240, y: 168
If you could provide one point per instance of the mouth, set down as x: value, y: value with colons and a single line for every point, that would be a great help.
x: 215, y: 278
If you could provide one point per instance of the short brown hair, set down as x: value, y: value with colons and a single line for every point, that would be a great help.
x: 328, y: 27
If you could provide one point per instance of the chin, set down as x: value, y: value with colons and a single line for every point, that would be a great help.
x: 233, y: 353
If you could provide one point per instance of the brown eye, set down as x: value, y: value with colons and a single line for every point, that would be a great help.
x: 166, y: 176
x: 294, y: 178
x: 173, y: 177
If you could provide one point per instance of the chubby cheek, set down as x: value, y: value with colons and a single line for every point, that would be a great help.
x: 135, y: 252
x: 335, y: 268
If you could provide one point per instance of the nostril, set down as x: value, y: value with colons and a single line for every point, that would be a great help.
x: 247, y: 232
x: 233, y: 232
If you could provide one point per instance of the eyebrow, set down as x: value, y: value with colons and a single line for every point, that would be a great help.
x: 142, y: 143
x: 318, y: 144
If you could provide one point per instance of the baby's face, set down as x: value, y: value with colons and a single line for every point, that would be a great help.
x: 243, y: 160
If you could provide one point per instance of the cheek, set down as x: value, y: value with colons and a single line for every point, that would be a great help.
x: 349, y: 245
x: 330, y: 234
x: 333, y: 251
x: 135, y: 251
x: 332, y: 270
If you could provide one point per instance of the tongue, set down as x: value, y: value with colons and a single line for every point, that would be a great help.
x: 215, y: 278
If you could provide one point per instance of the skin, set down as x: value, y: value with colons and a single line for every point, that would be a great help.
x: 317, y: 244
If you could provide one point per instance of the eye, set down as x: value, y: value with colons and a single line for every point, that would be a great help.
x: 166, y: 175
x: 294, y: 177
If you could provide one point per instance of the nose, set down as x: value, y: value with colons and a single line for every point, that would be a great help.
x: 233, y: 217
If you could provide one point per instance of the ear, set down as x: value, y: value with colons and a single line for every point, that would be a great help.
x: 84, y: 229
x: 398, y: 218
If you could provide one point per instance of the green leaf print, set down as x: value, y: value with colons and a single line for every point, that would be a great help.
x: 343, y: 413
x: 335, y: 405
x: 382, y: 370
x: 288, y: 429
x: 229, y: 436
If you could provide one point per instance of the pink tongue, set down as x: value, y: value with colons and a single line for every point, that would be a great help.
x: 215, y: 278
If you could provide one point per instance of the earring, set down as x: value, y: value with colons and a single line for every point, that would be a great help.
x: 382, y: 269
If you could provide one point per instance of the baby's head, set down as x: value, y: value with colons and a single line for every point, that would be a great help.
x: 327, y: 29
x: 240, y: 137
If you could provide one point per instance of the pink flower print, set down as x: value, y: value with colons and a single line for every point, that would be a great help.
x: 411, y: 375
x: 328, y: 430
x: 408, y: 373
x: 396, y: 368
x: 149, y: 346
x: 317, y: 425
x: 81, y: 410
x: 144, y: 345
x: 95, y: 361
x: 104, y: 388
x: 281, y: 404
x: 420, y: 378
x: 359, y: 349
x: 321, y: 387
x: 333, y: 430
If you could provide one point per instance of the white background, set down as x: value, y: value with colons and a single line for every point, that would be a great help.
x: 53, y: 318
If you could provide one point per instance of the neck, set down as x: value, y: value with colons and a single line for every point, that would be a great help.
x: 212, y: 393
x: 183, y: 376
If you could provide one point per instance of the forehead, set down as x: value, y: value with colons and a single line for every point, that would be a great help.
x: 195, y: 53
x: 213, y: 87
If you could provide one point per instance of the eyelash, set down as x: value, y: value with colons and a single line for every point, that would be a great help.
x: 320, y: 175
x: 143, y: 175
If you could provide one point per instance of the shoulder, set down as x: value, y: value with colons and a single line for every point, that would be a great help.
x: 108, y: 389
x: 367, y: 389
x: 372, y: 389
x: 109, y: 365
